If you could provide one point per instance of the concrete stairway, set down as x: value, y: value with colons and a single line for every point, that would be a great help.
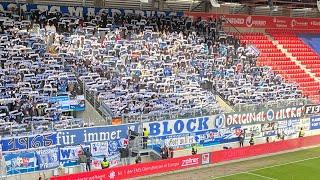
x: 224, y: 106
x: 91, y: 116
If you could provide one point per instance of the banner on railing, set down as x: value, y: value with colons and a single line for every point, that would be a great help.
x: 114, y: 160
x: 312, y: 109
x: 83, y: 11
x: 181, y: 133
x: 99, y: 137
x: 254, y: 129
x: 28, y: 142
x: 314, y: 122
x: 264, y: 116
x: 47, y: 158
x: 222, y: 128
x: 250, y: 21
x: 269, y: 129
x: 20, y: 162
x: 290, y: 127
x: 0, y: 152
x: 287, y: 128
x: 69, y: 155
x: 65, y: 104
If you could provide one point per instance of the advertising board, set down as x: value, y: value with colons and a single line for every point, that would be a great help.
x: 137, y: 170
x: 253, y: 21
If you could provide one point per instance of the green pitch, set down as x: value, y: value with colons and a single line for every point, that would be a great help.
x: 304, y: 169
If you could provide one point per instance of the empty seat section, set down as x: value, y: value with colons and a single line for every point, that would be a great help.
x: 271, y: 56
x: 305, y: 54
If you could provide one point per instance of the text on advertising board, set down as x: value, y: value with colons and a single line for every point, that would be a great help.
x: 136, y: 170
x: 253, y: 21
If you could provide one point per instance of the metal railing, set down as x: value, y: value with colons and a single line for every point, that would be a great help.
x: 190, y: 113
x: 271, y: 104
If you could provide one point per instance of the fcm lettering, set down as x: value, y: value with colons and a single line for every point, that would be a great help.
x: 178, y: 126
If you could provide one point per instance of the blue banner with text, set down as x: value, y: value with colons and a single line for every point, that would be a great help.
x: 100, y: 138
x: 29, y: 142
x: 314, y: 122
x: 84, y: 11
x: 182, y: 133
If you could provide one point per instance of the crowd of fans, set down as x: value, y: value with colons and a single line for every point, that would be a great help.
x: 132, y: 64
x: 31, y: 80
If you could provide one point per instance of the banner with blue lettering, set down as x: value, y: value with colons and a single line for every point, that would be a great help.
x: 114, y: 160
x: 254, y: 129
x: 28, y: 142
x: 264, y: 116
x: 55, y: 99
x: 99, y: 148
x: 84, y: 11
x: 314, y: 122
x: 65, y: 104
x: 289, y: 127
x: 181, y: 133
x: 0, y: 152
x: 269, y: 129
x: 47, y: 158
x: 101, y: 137
x: 20, y: 162
x: 69, y: 155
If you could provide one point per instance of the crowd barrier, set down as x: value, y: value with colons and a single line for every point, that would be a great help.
x: 162, y: 166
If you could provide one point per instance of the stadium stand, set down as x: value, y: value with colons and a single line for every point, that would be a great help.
x: 142, y: 69
x: 162, y: 67
x: 31, y: 82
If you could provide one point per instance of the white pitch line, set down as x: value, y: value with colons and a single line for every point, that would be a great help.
x: 247, y: 172
x: 258, y: 175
